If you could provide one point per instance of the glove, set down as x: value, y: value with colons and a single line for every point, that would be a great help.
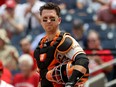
x: 69, y: 84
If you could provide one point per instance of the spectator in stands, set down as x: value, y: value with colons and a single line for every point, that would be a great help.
x: 78, y: 32
x: 107, y: 13
x: 26, y: 49
x: 27, y: 77
x: 13, y: 11
x: 32, y: 15
x: 8, y: 53
x: 70, y: 4
x: 81, y: 5
x: 92, y: 3
x: 97, y: 54
x: 83, y: 11
x: 12, y: 22
x: 7, y: 76
x: 3, y: 82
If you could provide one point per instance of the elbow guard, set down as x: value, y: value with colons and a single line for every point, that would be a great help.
x: 82, y: 60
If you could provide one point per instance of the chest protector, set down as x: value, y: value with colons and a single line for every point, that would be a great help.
x: 44, y: 53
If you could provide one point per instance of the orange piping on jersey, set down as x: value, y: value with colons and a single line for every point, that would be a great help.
x: 69, y: 69
x: 52, y: 43
x: 42, y: 42
x: 77, y: 54
x: 54, y: 39
x: 52, y: 64
x: 61, y: 43
x: 57, y: 47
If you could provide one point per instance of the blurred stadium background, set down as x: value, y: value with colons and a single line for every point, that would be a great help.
x: 91, y: 22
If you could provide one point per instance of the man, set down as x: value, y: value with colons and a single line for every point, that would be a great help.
x: 58, y: 51
x: 32, y: 15
x: 3, y: 83
x: 103, y: 56
x: 27, y: 78
x: 107, y: 13
x: 25, y: 44
x: 78, y: 32
x: 11, y: 21
x: 8, y: 53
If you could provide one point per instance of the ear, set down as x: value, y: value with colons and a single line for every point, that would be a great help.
x: 59, y: 20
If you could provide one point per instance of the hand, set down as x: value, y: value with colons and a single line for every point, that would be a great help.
x: 98, y: 59
x: 13, y: 56
x: 28, y: 10
x: 69, y: 84
x: 6, y: 16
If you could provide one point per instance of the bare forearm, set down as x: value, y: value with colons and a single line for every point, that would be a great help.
x: 107, y: 69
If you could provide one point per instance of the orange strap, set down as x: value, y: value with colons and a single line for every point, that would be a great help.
x: 45, y: 39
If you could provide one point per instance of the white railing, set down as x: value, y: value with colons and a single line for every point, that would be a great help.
x: 109, y: 84
x: 103, y: 66
x: 106, y: 84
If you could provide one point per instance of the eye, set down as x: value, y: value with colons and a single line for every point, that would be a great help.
x: 52, y: 19
x: 44, y: 20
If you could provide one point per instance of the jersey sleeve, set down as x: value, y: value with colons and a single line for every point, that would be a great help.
x: 69, y: 47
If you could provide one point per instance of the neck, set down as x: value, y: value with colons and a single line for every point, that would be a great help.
x: 27, y: 75
x: 51, y: 35
x: 27, y: 52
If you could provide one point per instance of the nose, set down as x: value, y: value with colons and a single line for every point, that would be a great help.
x: 48, y: 20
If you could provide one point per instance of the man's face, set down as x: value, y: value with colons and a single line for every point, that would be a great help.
x: 93, y: 42
x: 50, y: 20
x: 78, y: 32
x: 25, y: 45
x: 25, y: 67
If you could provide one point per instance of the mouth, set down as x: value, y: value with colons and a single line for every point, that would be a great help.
x: 49, y: 27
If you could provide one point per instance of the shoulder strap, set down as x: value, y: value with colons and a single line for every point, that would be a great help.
x: 65, y: 44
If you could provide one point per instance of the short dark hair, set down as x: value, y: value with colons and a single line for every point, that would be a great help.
x: 94, y: 31
x: 51, y: 6
x: 78, y: 24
